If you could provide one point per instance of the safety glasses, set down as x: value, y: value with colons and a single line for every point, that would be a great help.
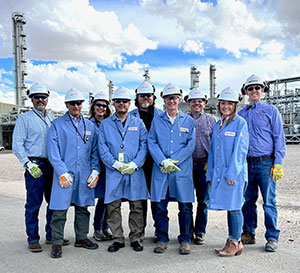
x: 121, y: 101
x: 145, y: 95
x: 73, y: 103
x: 101, y: 105
x: 37, y: 97
x: 251, y: 88
x: 169, y: 98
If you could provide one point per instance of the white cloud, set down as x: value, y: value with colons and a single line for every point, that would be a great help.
x: 74, y: 30
x: 272, y: 49
x: 193, y: 46
x: 134, y: 67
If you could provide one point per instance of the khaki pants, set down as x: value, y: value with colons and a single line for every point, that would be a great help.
x: 135, y: 220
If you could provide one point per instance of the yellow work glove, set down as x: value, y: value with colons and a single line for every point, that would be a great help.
x: 205, y: 167
x: 120, y: 166
x: 168, y: 165
x: 93, y: 179
x: 65, y: 180
x: 34, y: 169
x: 131, y: 167
x: 276, y: 172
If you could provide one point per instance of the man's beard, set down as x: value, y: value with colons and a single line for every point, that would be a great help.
x: 145, y: 105
x: 40, y: 107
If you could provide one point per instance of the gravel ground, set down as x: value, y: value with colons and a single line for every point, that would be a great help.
x: 14, y: 256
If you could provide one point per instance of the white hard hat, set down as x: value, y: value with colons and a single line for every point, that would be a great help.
x: 171, y: 89
x: 230, y: 95
x: 195, y: 93
x: 37, y: 88
x: 74, y: 95
x: 254, y: 80
x: 101, y: 96
x: 121, y: 93
x: 145, y: 88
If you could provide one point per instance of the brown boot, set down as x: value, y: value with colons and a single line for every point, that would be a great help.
x: 218, y: 250
x: 233, y: 249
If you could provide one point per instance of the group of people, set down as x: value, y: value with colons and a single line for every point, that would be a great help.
x: 150, y: 153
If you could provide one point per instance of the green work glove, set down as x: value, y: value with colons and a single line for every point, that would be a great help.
x: 120, y: 166
x: 131, y: 167
x: 168, y: 165
x: 33, y: 169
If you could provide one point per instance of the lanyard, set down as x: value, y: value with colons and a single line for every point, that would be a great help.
x: 84, y: 138
x: 42, y: 118
x: 121, y: 134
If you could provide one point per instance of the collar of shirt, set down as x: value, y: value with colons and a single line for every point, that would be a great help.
x: 200, y: 114
x: 75, y: 120
x: 171, y: 119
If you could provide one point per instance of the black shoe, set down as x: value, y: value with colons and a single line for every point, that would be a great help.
x: 114, y: 247
x: 86, y: 243
x: 56, y: 252
x: 137, y: 246
x: 107, y: 234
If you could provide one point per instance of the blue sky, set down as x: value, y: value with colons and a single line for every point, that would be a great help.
x: 83, y: 44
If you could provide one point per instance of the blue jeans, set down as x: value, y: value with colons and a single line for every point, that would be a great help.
x: 100, y: 222
x: 259, y: 177
x: 162, y: 221
x: 202, y: 192
x: 235, y: 224
x: 35, y: 189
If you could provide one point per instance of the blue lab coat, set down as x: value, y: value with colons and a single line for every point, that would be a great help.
x: 69, y: 154
x: 130, y: 187
x: 227, y: 160
x: 177, y: 142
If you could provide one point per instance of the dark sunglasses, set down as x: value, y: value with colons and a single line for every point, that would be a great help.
x: 251, y: 88
x: 73, y: 103
x: 171, y: 98
x: 37, y: 97
x: 101, y: 105
x: 145, y: 95
x: 123, y: 101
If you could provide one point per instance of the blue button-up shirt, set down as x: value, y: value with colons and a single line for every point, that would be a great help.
x: 30, y: 135
x: 204, y: 124
x: 265, y: 131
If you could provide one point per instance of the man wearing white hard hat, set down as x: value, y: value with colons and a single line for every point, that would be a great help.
x: 227, y: 169
x: 30, y: 147
x: 122, y: 146
x: 204, y: 124
x: 171, y: 142
x: 265, y: 158
x: 99, y: 110
x: 146, y: 111
x: 72, y: 149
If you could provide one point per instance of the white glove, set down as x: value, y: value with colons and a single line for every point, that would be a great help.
x: 168, y: 165
x: 65, y: 180
x: 131, y: 167
x: 120, y: 166
x: 34, y: 169
x: 93, y: 179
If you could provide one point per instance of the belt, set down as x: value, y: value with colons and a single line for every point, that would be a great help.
x: 38, y: 158
x: 200, y: 160
x: 259, y: 158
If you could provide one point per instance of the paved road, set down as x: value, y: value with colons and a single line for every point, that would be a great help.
x: 14, y: 256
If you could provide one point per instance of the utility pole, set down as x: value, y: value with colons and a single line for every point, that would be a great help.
x: 147, y: 75
x: 19, y: 46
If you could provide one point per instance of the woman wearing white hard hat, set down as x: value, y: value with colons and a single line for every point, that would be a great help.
x: 99, y: 110
x: 227, y: 169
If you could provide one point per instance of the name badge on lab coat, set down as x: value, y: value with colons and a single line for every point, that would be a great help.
x: 132, y: 128
x: 88, y: 133
x: 229, y: 133
x: 184, y: 130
